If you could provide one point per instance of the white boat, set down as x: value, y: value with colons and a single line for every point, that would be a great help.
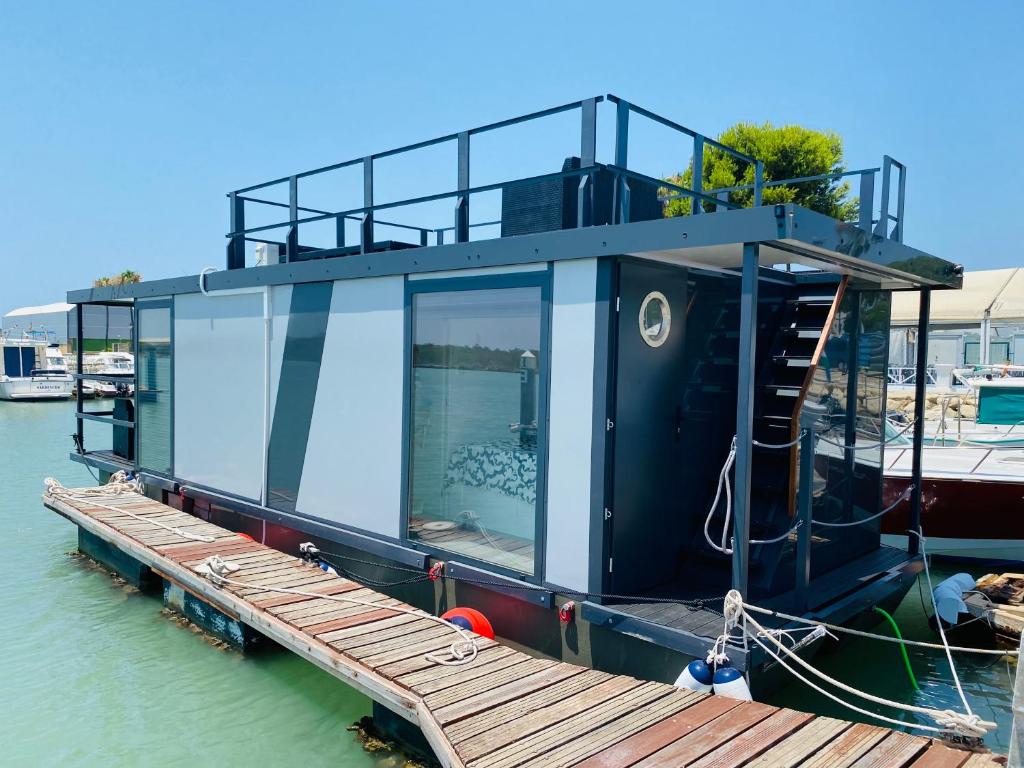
x: 119, y: 364
x: 32, y: 368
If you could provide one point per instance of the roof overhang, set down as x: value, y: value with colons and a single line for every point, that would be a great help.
x: 787, y: 234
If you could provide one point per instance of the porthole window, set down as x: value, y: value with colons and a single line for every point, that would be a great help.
x: 655, y: 319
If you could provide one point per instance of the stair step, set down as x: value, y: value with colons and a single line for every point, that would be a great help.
x: 814, y: 299
x: 804, y: 333
x: 784, y: 390
x: 793, y: 362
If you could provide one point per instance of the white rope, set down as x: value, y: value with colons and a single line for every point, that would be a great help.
x: 872, y: 636
x: 116, y: 486
x: 903, y: 497
x: 938, y: 621
x: 462, y: 651
x: 947, y: 721
x: 723, y: 482
x: 867, y: 446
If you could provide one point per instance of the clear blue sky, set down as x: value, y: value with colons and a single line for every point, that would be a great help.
x: 122, y: 124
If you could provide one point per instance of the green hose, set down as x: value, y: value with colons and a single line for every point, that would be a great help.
x: 903, y: 648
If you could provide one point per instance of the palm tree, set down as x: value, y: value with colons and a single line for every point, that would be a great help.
x: 124, y: 278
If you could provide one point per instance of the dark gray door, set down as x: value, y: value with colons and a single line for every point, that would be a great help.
x: 647, y: 511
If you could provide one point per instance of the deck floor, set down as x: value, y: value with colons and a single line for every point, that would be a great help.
x: 506, y: 709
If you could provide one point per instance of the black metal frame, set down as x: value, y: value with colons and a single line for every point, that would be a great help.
x: 539, y: 278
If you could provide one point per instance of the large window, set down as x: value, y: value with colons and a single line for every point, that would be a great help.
x: 474, y: 423
x: 153, y: 410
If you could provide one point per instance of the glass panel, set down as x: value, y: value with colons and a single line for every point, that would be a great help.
x: 473, y: 468
x: 998, y: 352
x: 153, y: 395
x: 972, y: 352
x: 848, y: 391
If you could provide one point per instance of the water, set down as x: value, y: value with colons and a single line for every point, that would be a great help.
x: 877, y: 668
x: 93, y: 673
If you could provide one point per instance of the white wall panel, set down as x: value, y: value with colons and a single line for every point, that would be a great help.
x: 219, y: 382
x: 571, y: 417
x: 353, y: 468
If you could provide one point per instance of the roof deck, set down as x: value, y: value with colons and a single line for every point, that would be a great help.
x: 346, y: 219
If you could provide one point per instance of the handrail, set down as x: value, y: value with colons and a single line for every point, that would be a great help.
x: 887, y: 225
x: 424, y: 199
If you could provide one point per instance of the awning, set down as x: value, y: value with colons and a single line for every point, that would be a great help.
x: 1001, y: 291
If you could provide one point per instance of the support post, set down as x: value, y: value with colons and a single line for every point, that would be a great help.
x: 80, y: 368
x: 758, y: 183
x: 366, y: 228
x: 984, y: 355
x: 803, y: 533
x: 745, y: 419
x: 696, y: 206
x: 920, y: 393
x: 882, y: 228
x: 236, y: 243
x: 462, y: 206
x: 291, y: 243
x: 901, y: 193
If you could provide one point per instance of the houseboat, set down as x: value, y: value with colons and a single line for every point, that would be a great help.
x: 585, y: 419
x: 32, y: 367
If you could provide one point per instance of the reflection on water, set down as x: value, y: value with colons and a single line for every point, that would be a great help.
x: 93, y: 674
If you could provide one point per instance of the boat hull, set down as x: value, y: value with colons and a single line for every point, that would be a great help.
x: 36, y: 389
x: 952, y: 521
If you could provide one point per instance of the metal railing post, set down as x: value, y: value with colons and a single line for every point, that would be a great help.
x: 867, y: 200
x: 291, y: 243
x: 236, y: 243
x: 697, y: 183
x: 339, y: 232
x: 920, y: 393
x: 588, y: 156
x: 758, y: 182
x: 882, y: 228
x: 366, y: 227
x: 803, y: 533
x: 897, y: 233
x: 621, y: 214
x: 462, y: 206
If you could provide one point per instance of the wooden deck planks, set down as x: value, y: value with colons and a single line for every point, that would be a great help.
x: 505, y: 709
x: 645, y: 743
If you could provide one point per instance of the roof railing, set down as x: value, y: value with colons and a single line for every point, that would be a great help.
x: 623, y: 179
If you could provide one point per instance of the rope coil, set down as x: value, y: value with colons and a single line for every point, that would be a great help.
x: 461, y: 651
x: 117, y: 485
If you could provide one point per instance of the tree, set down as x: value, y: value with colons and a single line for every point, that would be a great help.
x: 788, y: 152
x: 128, y: 276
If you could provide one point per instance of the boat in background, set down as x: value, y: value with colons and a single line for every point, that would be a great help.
x: 109, y: 364
x: 32, y: 367
x: 972, y: 473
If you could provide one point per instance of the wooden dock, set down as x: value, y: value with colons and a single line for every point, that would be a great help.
x: 505, y: 709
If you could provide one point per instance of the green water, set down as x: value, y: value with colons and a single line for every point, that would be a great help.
x: 93, y: 674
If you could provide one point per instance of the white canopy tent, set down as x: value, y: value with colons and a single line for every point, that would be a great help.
x: 991, y: 296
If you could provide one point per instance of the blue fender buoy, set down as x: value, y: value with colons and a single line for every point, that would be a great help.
x: 730, y: 682
x: 696, y: 676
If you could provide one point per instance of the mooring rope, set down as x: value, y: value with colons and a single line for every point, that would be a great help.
x: 946, y: 721
x: 116, y: 486
x: 462, y: 651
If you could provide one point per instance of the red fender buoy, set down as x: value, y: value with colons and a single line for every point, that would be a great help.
x: 471, y: 619
x: 245, y: 536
